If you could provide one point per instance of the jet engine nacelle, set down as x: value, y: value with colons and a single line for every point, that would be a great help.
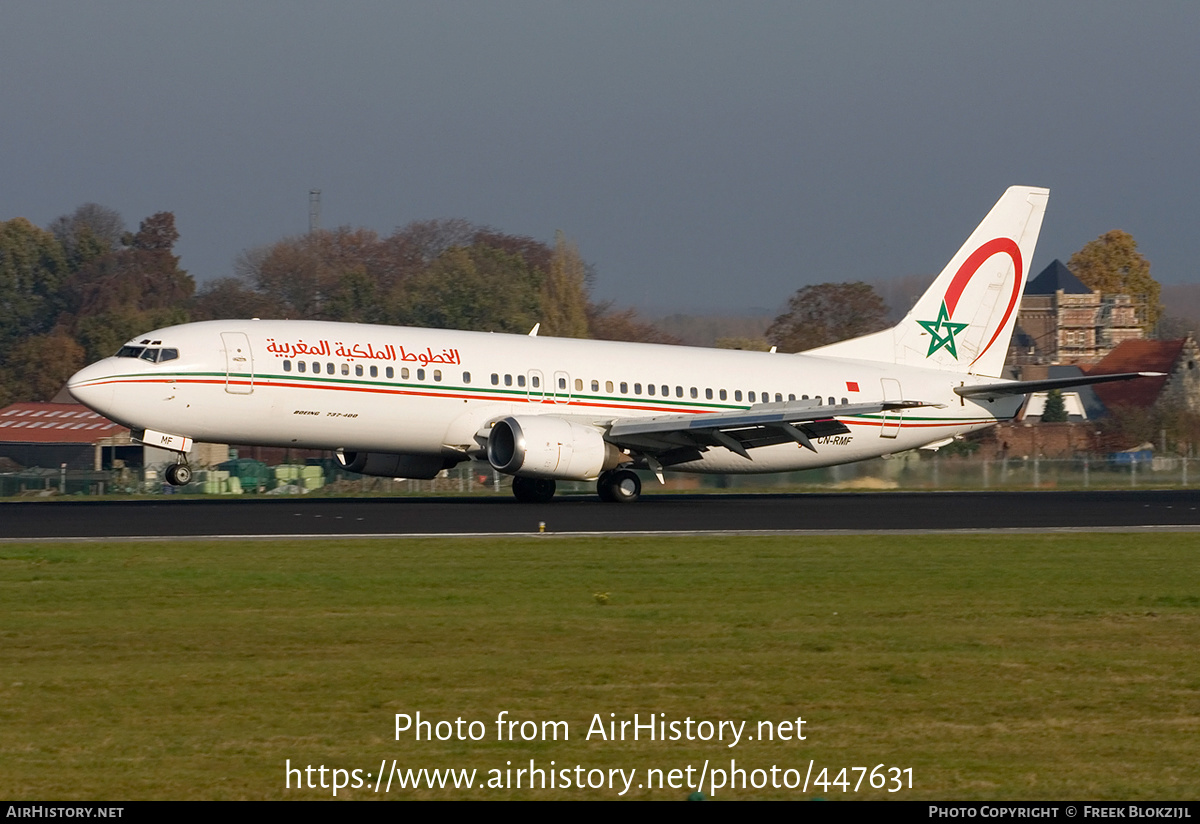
x: 545, y: 446
x: 388, y: 465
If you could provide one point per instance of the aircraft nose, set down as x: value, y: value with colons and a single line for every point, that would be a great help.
x: 90, y: 387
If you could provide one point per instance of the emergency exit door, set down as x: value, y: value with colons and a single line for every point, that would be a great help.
x: 239, y: 363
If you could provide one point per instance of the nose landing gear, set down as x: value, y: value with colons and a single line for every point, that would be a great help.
x: 179, y: 474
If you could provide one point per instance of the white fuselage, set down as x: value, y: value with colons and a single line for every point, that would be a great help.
x: 429, y: 391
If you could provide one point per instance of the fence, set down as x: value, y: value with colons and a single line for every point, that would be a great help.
x: 911, y: 471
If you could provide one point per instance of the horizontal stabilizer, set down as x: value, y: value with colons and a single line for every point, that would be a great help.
x: 991, y: 391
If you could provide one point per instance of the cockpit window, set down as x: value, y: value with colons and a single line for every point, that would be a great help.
x: 148, y: 353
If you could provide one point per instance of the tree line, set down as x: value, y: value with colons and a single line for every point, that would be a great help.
x: 73, y: 292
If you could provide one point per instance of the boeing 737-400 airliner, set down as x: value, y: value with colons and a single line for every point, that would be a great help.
x: 407, y: 402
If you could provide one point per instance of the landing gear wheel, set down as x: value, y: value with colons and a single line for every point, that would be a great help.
x: 179, y: 474
x: 533, y: 490
x: 621, y: 486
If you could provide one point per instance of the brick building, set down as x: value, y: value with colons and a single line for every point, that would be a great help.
x: 1061, y: 321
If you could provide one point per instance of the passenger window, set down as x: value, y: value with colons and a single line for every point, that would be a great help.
x: 778, y: 398
x: 287, y: 366
x: 637, y: 389
x: 495, y: 379
x: 724, y: 395
x: 650, y: 388
x: 666, y: 390
x: 791, y: 397
x: 624, y: 388
x: 679, y: 392
x: 374, y: 371
x: 389, y: 372
x: 316, y: 368
x: 737, y: 394
x: 708, y: 394
x: 695, y: 392
x: 535, y: 381
x: 508, y: 380
x: 845, y: 402
x: 329, y: 369
x: 579, y: 385
x: 520, y: 380
x: 437, y: 375
x: 301, y: 366
x: 466, y: 377
x: 345, y: 369
x: 358, y: 370
x: 562, y: 383
x: 403, y: 373
x: 420, y: 374
x: 608, y: 387
x: 750, y: 397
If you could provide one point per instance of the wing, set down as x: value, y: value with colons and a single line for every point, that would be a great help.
x: 672, y: 439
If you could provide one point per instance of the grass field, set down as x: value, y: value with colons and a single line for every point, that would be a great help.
x: 1006, y: 667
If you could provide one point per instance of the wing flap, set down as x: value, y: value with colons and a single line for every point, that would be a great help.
x: 743, y: 429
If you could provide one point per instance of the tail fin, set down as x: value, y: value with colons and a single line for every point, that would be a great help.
x: 964, y: 320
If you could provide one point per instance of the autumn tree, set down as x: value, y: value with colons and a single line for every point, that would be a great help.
x: 827, y: 313
x: 1111, y: 264
x: 475, y: 288
x: 90, y: 231
x: 38, y: 367
x: 746, y: 344
x: 33, y: 269
x: 339, y: 274
x: 605, y: 322
x: 230, y: 298
x: 129, y: 290
x: 564, y: 292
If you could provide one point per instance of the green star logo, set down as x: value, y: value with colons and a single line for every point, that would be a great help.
x: 942, y: 332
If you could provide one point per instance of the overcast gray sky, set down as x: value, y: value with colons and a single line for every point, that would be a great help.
x: 703, y: 155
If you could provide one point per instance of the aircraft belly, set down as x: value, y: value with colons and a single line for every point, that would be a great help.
x: 787, y: 457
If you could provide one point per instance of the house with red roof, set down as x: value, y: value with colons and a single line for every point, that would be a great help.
x: 48, y: 435
x: 1177, y: 358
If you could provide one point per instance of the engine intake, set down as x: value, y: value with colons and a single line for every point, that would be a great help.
x: 545, y: 446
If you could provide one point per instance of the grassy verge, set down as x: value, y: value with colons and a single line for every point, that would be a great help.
x: 996, y: 668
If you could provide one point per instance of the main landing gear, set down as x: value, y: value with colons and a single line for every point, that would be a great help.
x: 619, y: 486
x: 533, y: 490
x: 179, y: 474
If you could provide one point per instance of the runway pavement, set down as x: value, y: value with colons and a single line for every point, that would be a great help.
x: 842, y: 512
